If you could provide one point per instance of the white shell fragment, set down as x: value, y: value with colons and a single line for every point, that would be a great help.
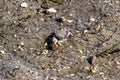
x: 92, y: 19
x: 52, y: 10
x: 85, y: 31
x: 69, y: 21
x: 44, y: 52
x: 2, y: 51
x: 24, y: 5
x: 21, y: 43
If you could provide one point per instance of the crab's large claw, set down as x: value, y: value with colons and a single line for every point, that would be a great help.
x: 56, y: 42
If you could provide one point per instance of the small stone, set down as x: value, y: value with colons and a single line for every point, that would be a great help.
x: 21, y: 43
x: 45, y: 44
x: 86, y: 31
x: 70, y: 75
x: 20, y: 48
x: 106, y: 1
x: 117, y: 2
x: 24, y: 5
x: 15, y: 35
x: 81, y: 51
x: 93, y: 71
x: 93, y: 59
x: 52, y: 78
x: 69, y: 21
x: 71, y: 14
x: 4, y: 17
x: 117, y: 62
x: 42, y: 19
x: 71, y: 46
x: 92, y: 19
x: 86, y: 68
x: 52, y: 10
x: 14, y: 50
x: 45, y: 51
x: 15, y: 21
x: 118, y: 67
x: 9, y: 12
x: 2, y: 51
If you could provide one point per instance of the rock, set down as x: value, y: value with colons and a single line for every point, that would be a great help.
x: 92, y: 19
x: 86, y: 31
x: 24, y: 5
x: 86, y: 68
x: 93, y: 71
x: 44, y: 51
x: 2, y: 51
x: 93, y: 59
x: 21, y: 43
x: 52, y: 10
x: 69, y: 21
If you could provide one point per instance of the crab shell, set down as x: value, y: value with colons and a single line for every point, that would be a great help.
x: 63, y: 34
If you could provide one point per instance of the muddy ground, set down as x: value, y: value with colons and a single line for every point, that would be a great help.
x: 95, y: 25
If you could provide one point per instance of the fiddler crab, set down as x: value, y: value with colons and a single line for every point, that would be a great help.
x: 58, y: 37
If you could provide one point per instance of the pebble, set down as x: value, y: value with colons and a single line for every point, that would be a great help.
x: 44, y: 52
x: 86, y: 68
x: 102, y: 73
x: 71, y: 46
x: 81, y: 51
x: 106, y: 1
x: 20, y: 48
x: 2, y: 51
x: 70, y: 75
x: 15, y: 35
x: 21, y: 43
x: 52, y: 10
x: 9, y: 12
x: 92, y: 19
x: 93, y: 59
x: 69, y: 21
x: 93, y: 71
x: 85, y: 31
x: 66, y: 67
x: 24, y: 5
x: 118, y: 67
x: 71, y: 14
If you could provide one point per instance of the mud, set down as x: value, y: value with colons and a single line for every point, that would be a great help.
x: 95, y: 25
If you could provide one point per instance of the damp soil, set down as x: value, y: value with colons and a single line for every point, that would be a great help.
x: 95, y: 25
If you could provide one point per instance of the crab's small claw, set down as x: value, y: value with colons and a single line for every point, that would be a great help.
x: 56, y: 42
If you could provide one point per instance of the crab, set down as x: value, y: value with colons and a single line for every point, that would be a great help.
x: 61, y: 36
x: 56, y: 39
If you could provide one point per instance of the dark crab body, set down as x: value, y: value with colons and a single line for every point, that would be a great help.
x: 57, y: 38
x: 61, y: 36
